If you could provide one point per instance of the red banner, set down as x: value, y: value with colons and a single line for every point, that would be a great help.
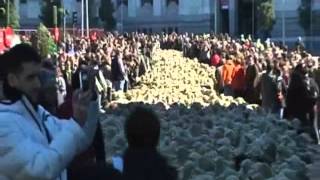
x: 2, y: 39
x: 93, y: 36
x: 9, y: 35
x: 56, y: 34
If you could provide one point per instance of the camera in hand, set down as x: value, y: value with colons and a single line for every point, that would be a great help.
x: 87, y: 82
x: 84, y: 80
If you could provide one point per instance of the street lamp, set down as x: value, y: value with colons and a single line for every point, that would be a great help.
x: 8, y: 13
x: 283, y: 23
x: 121, y: 16
x: 82, y: 18
x: 216, y: 16
x: 87, y: 17
x: 65, y: 14
x: 311, y: 24
x: 253, y: 18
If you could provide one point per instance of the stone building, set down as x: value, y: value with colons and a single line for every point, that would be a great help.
x: 183, y: 15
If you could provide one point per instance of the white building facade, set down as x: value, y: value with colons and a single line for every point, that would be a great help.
x: 177, y: 15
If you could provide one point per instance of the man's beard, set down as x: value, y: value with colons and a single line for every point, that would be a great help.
x: 14, y: 94
x: 2, y: 96
x: 11, y: 93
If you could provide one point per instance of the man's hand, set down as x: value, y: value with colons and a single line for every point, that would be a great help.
x: 80, y: 103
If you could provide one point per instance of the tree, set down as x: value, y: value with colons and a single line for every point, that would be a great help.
x: 304, y: 15
x: 106, y: 14
x: 47, y: 12
x: 44, y: 42
x: 265, y: 17
x: 13, y: 14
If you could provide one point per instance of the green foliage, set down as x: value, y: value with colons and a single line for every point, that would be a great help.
x: 265, y: 16
x: 106, y: 14
x: 304, y: 15
x: 47, y: 12
x: 13, y: 15
x: 44, y: 42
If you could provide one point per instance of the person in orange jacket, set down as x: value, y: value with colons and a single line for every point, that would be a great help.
x: 238, y: 78
x: 227, y: 72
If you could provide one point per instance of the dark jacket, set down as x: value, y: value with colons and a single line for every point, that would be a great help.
x: 302, y: 95
x: 147, y: 164
x: 117, y: 70
x: 95, y: 153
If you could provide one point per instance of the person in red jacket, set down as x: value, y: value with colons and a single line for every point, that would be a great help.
x: 215, y: 59
x: 238, y: 78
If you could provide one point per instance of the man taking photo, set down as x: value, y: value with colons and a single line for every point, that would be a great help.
x: 35, y: 144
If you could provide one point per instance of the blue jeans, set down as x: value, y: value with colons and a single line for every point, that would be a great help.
x: 119, y: 85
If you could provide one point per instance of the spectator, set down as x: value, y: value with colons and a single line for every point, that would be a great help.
x: 118, y: 72
x: 142, y: 160
x: 40, y: 144
x: 61, y: 87
x: 227, y: 71
x: 48, y: 97
x: 238, y: 78
x: 252, y: 72
x: 272, y: 89
x: 215, y: 59
x: 303, y: 93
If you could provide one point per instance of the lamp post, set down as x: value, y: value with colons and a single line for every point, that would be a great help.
x: 82, y: 18
x: 253, y: 18
x: 215, y: 16
x: 283, y: 23
x: 311, y: 25
x: 87, y: 17
x: 121, y: 16
x: 8, y: 13
x: 65, y: 14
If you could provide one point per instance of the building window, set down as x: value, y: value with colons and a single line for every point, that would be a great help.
x: 23, y: 1
x: 145, y: 31
x: 147, y: 1
x: 119, y: 2
x: 169, y: 1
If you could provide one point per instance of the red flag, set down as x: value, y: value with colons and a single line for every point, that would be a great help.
x: 8, y: 37
x: 2, y: 41
x: 94, y: 36
x: 56, y: 34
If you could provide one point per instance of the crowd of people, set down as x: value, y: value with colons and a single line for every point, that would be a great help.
x: 43, y: 113
x: 284, y: 82
x: 40, y: 143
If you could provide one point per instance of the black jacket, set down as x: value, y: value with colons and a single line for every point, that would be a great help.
x: 116, y: 70
x: 146, y: 164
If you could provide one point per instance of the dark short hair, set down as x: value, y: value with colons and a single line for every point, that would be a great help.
x: 142, y: 128
x: 19, y: 54
x: 48, y: 65
x: 3, y: 65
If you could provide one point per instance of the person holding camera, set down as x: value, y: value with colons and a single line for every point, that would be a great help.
x: 34, y: 143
